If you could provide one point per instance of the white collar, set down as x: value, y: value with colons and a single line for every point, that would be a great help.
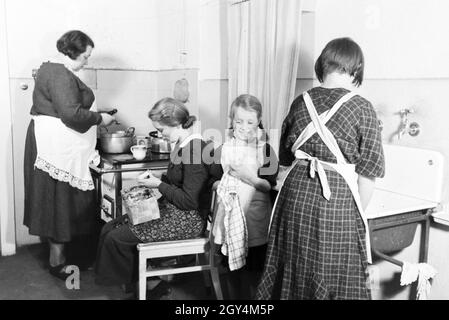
x: 61, y: 59
x: 190, y: 138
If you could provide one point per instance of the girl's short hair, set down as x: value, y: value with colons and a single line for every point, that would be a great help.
x: 247, y: 102
x: 171, y: 112
x: 73, y: 43
x: 344, y: 56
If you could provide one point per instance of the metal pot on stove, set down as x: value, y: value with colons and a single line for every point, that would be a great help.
x: 117, y: 141
x: 158, y: 143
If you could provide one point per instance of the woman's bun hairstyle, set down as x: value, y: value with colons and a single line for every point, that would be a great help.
x: 189, y: 122
x: 73, y: 43
x: 171, y: 112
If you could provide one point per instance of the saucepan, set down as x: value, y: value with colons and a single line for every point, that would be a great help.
x: 119, y: 141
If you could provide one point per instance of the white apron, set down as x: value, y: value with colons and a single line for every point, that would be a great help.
x: 65, y: 154
x: 346, y: 170
x: 255, y: 204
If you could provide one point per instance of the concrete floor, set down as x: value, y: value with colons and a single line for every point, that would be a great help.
x: 24, y: 276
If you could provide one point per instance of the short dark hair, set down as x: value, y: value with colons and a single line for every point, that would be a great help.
x: 73, y: 43
x: 171, y: 112
x: 343, y: 55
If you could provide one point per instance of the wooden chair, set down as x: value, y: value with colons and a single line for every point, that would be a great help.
x: 203, y: 247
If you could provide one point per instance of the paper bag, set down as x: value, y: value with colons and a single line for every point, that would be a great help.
x: 141, y: 204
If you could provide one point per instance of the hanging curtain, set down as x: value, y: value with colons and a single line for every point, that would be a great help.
x: 263, y: 55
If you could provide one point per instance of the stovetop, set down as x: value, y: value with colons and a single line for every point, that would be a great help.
x: 127, y: 158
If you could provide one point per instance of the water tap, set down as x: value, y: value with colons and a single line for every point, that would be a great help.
x: 405, y: 124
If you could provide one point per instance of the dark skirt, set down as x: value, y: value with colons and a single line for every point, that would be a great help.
x: 117, y: 260
x: 54, y: 209
x: 316, y: 248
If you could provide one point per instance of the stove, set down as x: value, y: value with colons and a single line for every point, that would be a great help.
x: 119, y: 171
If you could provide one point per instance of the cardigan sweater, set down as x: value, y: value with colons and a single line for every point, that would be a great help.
x: 60, y: 93
x: 187, y: 183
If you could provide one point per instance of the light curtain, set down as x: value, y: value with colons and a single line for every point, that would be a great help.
x: 263, y: 55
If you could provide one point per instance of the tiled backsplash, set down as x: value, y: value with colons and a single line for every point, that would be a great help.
x: 134, y: 92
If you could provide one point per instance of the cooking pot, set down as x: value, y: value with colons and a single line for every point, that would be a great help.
x: 118, y: 141
x: 159, y: 144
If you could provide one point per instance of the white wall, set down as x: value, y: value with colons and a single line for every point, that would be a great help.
x: 126, y: 39
x: 178, y: 33
x: 213, y: 70
x: 132, y: 34
x: 401, y: 38
x: 406, y: 67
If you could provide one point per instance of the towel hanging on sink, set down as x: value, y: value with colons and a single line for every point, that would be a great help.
x: 422, y: 272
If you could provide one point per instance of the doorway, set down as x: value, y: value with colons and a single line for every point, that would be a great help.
x: 7, y: 224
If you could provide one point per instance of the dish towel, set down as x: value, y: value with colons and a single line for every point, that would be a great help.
x: 232, y: 232
x: 422, y: 272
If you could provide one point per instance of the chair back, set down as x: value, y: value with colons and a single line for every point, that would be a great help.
x: 202, y: 246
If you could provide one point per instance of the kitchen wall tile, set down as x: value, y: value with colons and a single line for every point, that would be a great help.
x: 166, y: 83
x: 132, y: 106
x: 169, y: 7
x: 165, y: 93
x: 127, y: 80
x: 302, y: 85
x: 89, y: 77
x: 213, y: 108
x: 134, y: 92
x: 167, y: 78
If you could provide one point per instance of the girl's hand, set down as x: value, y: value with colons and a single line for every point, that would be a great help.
x: 248, y: 176
x: 148, y: 179
x: 158, y: 173
x: 241, y: 171
x: 155, y: 173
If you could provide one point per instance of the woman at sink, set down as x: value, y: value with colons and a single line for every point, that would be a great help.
x: 186, y: 188
x: 60, y: 200
x: 331, y: 142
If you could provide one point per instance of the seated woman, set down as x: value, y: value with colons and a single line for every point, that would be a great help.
x: 184, y: 207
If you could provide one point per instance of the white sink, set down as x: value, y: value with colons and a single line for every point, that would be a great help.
x: 413, y: 181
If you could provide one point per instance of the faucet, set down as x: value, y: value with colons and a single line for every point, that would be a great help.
x: 405, y: 125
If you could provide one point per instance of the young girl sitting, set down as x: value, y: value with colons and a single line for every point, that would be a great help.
x: 250, y: 168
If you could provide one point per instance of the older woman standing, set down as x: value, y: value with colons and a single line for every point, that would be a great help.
x: 317, y: 245
x: 60, y: 144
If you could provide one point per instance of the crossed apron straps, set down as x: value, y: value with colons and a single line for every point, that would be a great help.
x: 342, y: 167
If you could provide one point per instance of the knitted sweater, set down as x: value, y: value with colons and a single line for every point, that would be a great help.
x: 61, y: 94
x: 187, y: 183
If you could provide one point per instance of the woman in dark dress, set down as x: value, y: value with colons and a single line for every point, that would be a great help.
x: 317, y: 245
x: 60, y: 143
x: 186, y: 191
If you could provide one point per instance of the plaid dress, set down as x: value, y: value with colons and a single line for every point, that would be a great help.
x: 316, y: 248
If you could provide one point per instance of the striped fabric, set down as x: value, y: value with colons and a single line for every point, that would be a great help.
x: 234, y: 237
